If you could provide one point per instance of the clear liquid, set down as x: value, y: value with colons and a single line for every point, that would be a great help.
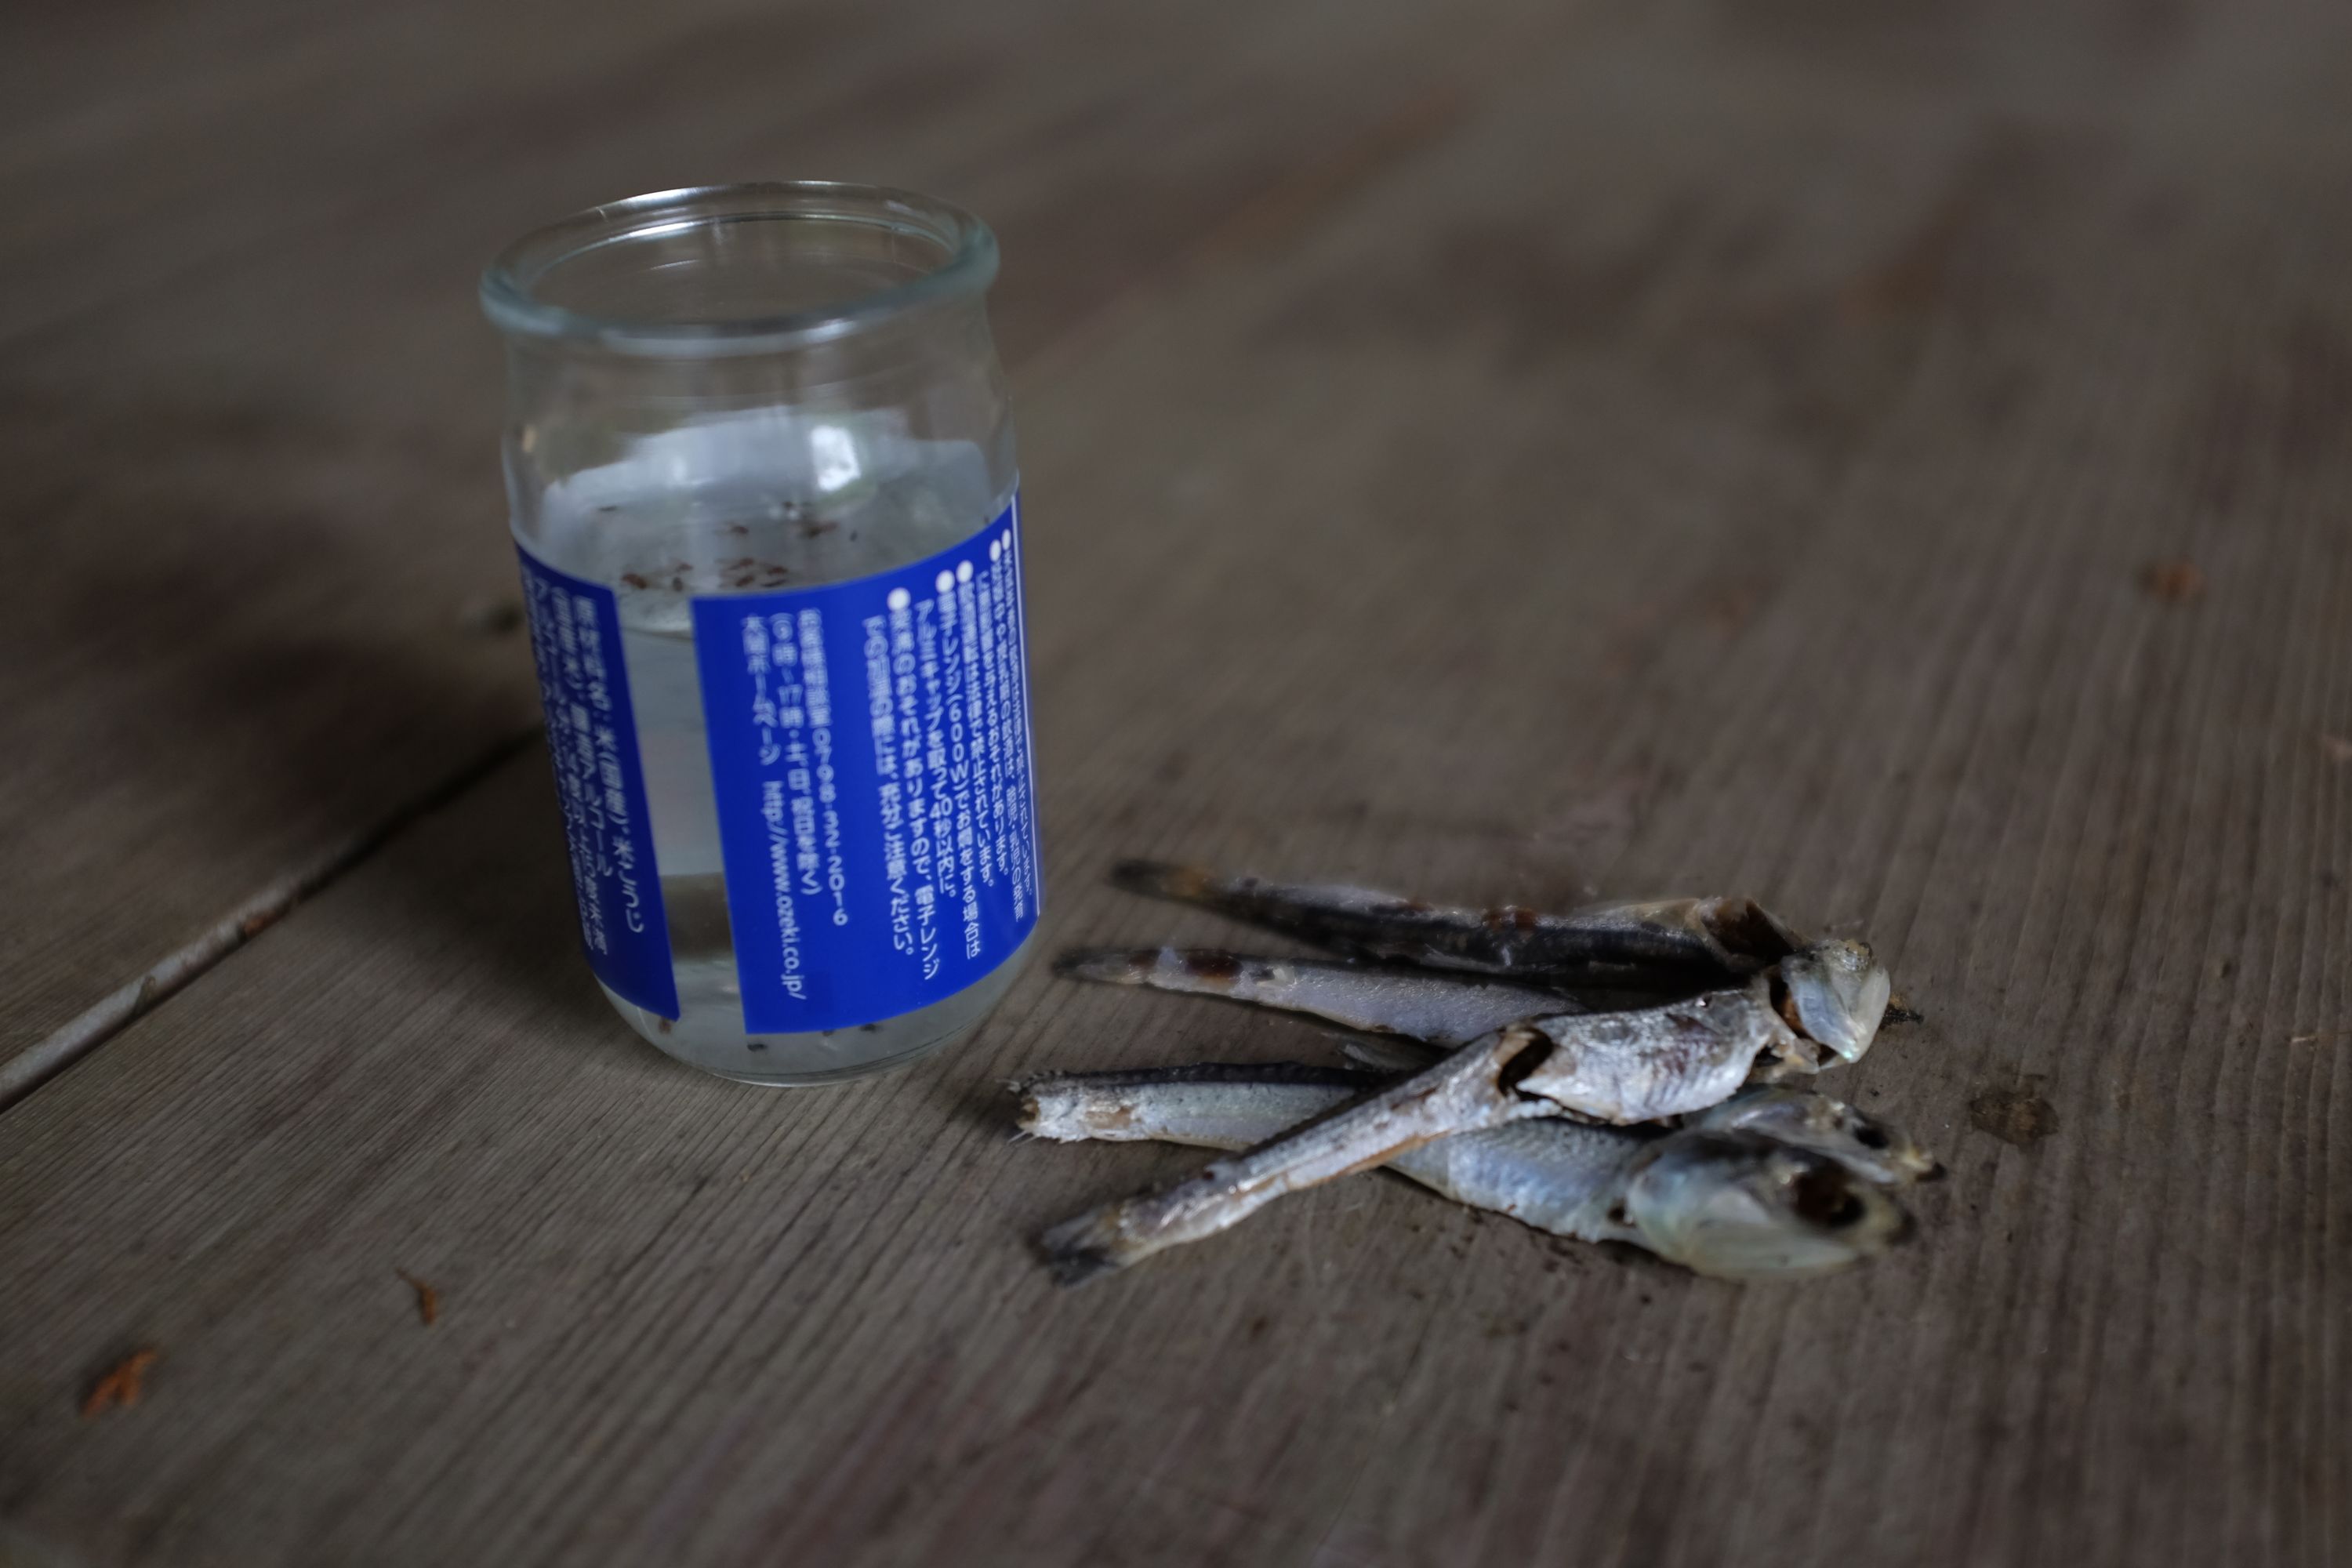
x: 750, y: 526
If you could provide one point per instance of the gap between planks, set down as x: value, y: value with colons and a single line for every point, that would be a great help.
x: 77, y: 1037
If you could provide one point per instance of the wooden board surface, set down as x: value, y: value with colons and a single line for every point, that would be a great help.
x: 1751, y: 449
x: 251, y: 412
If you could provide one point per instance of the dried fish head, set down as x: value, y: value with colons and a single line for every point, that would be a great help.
x: 1873, y: 1150
x: 1740, y: 1206
x: 1838, y: 992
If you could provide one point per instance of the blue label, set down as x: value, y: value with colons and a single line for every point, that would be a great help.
x: 870, y: 742
x: 592, y: 735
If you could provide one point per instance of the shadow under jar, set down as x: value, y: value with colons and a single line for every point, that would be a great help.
x: 760, y: 469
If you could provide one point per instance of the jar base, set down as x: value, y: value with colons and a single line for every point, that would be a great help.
x: 720, y: 1047
x: 820, y: 1080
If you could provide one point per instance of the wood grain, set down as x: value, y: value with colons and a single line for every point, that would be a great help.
x: 1725, y: 452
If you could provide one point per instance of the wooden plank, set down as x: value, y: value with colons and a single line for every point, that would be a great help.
x: 249, y: 425
x: 1755, y: 490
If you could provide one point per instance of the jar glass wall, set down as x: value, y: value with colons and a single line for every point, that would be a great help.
x: 760, y: 470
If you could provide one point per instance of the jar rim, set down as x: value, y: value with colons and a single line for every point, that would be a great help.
x: 509, y: 284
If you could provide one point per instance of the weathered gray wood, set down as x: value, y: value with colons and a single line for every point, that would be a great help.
x: 248, y: 411
x: 1726, y: 455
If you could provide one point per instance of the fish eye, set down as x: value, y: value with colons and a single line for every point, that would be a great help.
x: 1824, y: 1198
x: 1869, y: 1137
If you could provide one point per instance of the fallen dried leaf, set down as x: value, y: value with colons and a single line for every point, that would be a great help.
x: 2173, y: 582
x: 2013, y: 1116
x: 428, y: 1300
x: 121, y: 1383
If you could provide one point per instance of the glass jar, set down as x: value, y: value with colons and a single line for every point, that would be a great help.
x: 760, y: 469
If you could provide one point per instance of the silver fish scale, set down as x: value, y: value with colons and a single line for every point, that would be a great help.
x: 1558, y: 1177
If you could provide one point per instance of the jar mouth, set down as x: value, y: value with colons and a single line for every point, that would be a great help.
x: 732, y: 270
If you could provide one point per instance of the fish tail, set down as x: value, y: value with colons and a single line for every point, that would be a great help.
x: 1323, y: 916
x: 1084, y: 1248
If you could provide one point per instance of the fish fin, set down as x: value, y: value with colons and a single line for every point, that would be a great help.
x: 1084, y: 1248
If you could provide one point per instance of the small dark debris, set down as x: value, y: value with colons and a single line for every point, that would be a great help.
x: 2173, y: 582
x: 1727, y: 610
x: 121, y: 1383
x: 2013, y: 1116
x: 489, y: 616
x: 428, y: 1300
x: 756, y: 1045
